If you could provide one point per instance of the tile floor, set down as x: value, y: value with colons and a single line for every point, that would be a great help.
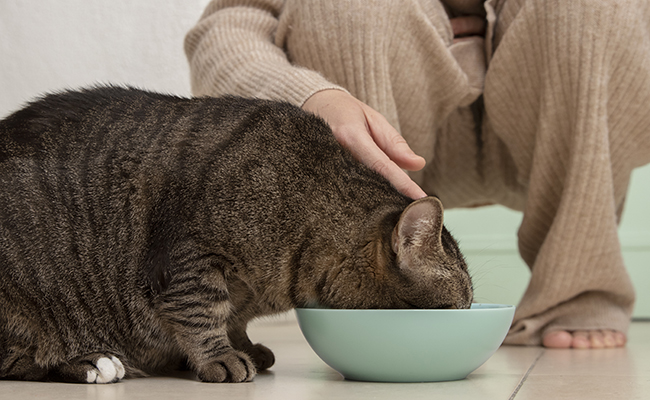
x: 519, y: 373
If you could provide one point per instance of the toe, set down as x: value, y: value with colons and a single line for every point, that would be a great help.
x: 608, y: 339
x: 613, y: 339
x: 107, y: 372
x: 597, y: 339
x: 584, y: 339
x: 119, y: 367
x: 557, y: 340
x: 620, y: 339
x: 581, y: 340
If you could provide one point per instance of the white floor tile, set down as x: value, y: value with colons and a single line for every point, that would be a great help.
x: 300, y: 374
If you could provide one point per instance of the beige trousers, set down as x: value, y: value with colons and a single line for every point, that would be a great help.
x: 548, y: 115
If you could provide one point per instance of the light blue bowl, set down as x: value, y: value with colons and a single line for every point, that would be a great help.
x: 406, y: 345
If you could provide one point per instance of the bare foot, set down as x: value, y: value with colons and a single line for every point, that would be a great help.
x: 596, y: 339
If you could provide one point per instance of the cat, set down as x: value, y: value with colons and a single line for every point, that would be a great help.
x: 140, y: 232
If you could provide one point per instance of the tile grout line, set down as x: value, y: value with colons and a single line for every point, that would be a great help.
x: 525, y: 377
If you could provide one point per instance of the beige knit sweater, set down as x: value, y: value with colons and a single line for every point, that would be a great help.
x: 566, y: 87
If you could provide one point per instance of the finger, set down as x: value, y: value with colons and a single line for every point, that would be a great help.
x: 398, y: 178
x: 366, y: 151
x: 468, y: 25
x: 392, y: 143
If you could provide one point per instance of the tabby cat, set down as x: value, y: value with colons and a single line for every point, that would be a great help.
x: 140, y: 232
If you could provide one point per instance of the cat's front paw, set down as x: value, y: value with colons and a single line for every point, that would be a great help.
x: 233, y: 366
x: 93, y: 368
x: 262, y: 356
x: 106, y: 370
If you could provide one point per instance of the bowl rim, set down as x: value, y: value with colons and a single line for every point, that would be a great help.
x: 476, y: 307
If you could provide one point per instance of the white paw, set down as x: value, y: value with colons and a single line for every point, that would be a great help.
x: 107, y: 370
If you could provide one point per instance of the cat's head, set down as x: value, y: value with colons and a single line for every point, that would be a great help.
x: 411, y: 263
x: 428, y: 256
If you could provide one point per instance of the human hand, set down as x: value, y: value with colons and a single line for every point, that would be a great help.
x: 369, y: 136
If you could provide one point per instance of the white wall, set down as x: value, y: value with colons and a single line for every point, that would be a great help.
x: 50, y: 45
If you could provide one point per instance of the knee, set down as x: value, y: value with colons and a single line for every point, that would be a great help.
x: 597, y: 15
x: 563, y: 6
x: 560, y: 29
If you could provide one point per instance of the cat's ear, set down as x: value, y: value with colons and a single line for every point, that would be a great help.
x: 419, y: 227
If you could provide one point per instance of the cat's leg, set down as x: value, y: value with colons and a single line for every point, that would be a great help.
x: 91, y: 368
x: 16, y: 364
x: 196, y: 307
x: 262, y: 356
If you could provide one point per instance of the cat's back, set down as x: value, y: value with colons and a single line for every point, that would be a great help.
x: 64, y: 124
x: 72, y: 124
x: 95, y: 169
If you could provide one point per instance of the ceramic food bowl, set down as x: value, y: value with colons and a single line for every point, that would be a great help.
x: 406, y: 345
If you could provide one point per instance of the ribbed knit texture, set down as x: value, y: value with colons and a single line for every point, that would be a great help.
x: 568, y: 91
x: 566, y: 116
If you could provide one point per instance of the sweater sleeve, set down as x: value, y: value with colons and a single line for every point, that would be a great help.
x: 232, y: 50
